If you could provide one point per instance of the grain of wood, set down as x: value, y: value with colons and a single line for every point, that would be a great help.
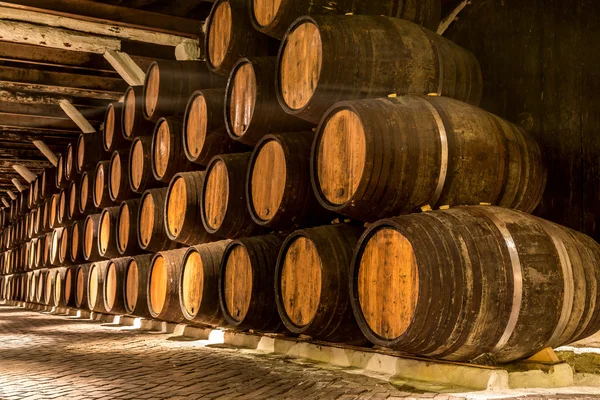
x: 219, y: 34
x: 192, y: 283
x: 269, y: 175
x: 238, y: 283
x: 158, y: 285
x: 242, y: 98
x: 216, y: 195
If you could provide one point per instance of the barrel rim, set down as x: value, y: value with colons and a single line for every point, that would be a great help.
x: 153, y: 64
x: 165, y: 210
x: 267, y: 29
x: 228, y: 91
x: 207, y: 25
x: 209, y: 166
x: 130, y: 89
x: 104, y: 212
x: 161, y: 120
x: 153, y: 313
x: 128, y: 310
x: 109, y: 108
x: 146, y: 193
x: 108, y: 309
x: 188, y: 106
x: 130, y: 160
x: 102, y: 164
x: 184, y: 310
x: 114, y: 155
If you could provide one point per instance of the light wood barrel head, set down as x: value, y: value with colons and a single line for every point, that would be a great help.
x: 72, y: 198
x: 60, y: 168
x: 85, y: 186
x: 64, y: 244
x: 216, y: 195
x: 75, y: 242
x: 146, y: 219
x: 136, y: 169
x: 93, y: 284
x: 300, y: 66
x: 69, y: 161
x: 109, y: 126
x: 388, y: 283
x: 62, y: 203
x: 104, y: 234
x: 111, y: 285
x: 341, y: 156
x: 219, y: 34
x: 192, y: 283
x: 195, y: 129
x: 57, y: 288
x: 162, y: 149
x: 242, y: 98
x: 80, y: 152
x: 301, y: 281
x: 176, y: 206
x: 265, y: 11
x: 88, y: 237
x: 99, y: 182
x: 269, y: 175
x: 54, y: 208
x: 131, y: 285
x: 115, y: 174
x: 68, y: 284
x: 129, y: 112
x: 123, y: 228
x: 238, y: 282
x: 152, y: 89
x: 49, y: 280
x: 158, y: 284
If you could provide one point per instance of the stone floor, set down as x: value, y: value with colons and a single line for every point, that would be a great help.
x: 44, y: 356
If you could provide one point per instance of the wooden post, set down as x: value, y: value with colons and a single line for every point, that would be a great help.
x: 24, y: 172
x: 76, y: 116
x: 5, y: 202
x: 126, y: 67
x: 46, y: 151
x: 20, y: 187
x: 11, y: 194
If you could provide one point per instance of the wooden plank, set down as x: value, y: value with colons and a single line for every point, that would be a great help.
x: 11, y: 194
x: 77, y: 117
x: 20, y: 187
x: 17, y: 155
x: 58, y: 90
x: 45, y: 150
x: 21, y: 97
x: 5, y: 202
x: 22, y: 170
x: 37, y: 121
x: 126, y: 67
x: 42, y: 110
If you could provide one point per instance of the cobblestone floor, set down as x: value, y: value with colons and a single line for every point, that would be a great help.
x: 44, y: 356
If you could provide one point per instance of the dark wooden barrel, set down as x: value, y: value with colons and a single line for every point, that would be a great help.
x: 64, y: 245
x: 199, y: 282
x: 140, y: 165
x: 77, y: 242
x: 182, y: 209
x: 53, y: 212
x: 62, y: 211
x: 274, y: 17
x: 101, y: 182
x: 61, y: 179
x: 163, y: 282
x: 112, y: 138
x: 278, y: 187
x: 70, y: 163
x: 118, y: 187
x: 113, y: 285
x: 30, y: 201
x: 107, y: 232
x: 230, y: 35
x: 32, y: 254
x: 89, y: 150
x: 204, y: 133
x: 151, y: 232
x: 168, y: 156
x: 127, y: 243
x: 246, y: 283
x: 48, y: 182
x: 57, y: 287
x: 50, y: 279
x: 91, y: 227
x: 223, y: 197
x: 95, y: 286
x: 82, y: 273
x: 169, y: 84
x: 326, y: 59
x: 40, y: 296
x: 471, y: 281
x: 251, y: 107
x: 73, y: 191
x: 135, y: 285
x: 86, y: 193
x: 448, y: 160
x: 47, y: 249
x: 37, y: 191
x: 311, y: 283
x: 66, y: 296
x: 39, y: 252
x: 133, y: 123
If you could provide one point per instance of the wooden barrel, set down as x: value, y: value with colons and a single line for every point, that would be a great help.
x: 55, y: 246
x: 47, y: 207
x: 133, y: 123
x: 53, y: 213
x: 82, y: 273
x: 112, y: 139
x: 199, y: 282
x: 229, y: 36
x: 326, y: 59
x: 39, y: 252
x: 251, y: 107
x: 162, y: 289
x: 73, y: 211
x: 32, y: 254
x: 204, y: 133
x: 135, y: 285
x: 140, y: 165
x: 118, y: 188
x: 77, y: 242
x: 39, y: 295
x: 182, y: 209
x: 151, y: 232
x: 246, y: 283
x: 169, y: 84
x: 62, y: 210
x: 37, y: 190
x: 223, y: 208
x: 91, y: 228
x: 30, y: 200
x: 448, y: 160
x: 50, y: 279
x: 48, y: 182
x: 107, y: 233
x: 274, y: 18
x: 101, y: 182
x: 89, y: 150
x: 66, y: 296
x: 56, y: 287
x: 86, y: 193
x: 168, y: 156
x: 127, y: 243
x: 113, y: 285
x: 278, y: 187
x: 95, y: 286
x: 64, y: 245
x: 442, y: 275
x: 61, y: 180
x: 70, y: 163
x: 311, y: 283
x: 47, y: 250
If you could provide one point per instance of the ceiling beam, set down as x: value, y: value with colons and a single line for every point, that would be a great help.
x: 20, y: 187
x: 24, y: 171
x: 37, y: 121
x: 77, y: 117
x: 126, y: 67
x: 15, y: 96
x: 45, y: 150
x: 12, y: 86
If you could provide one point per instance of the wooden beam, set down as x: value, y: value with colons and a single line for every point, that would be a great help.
x: 20, y: 187
x: 446, y: 22
x: 188, y: 50
x: 126, y: 67
x: 37, y: 121
x: 11, y: 194
x: 77, y: 117
x: 58, y: 90
x: 91, y: 27
x: 5, y: 202
x: 24, y: 172
x: 46, y: 151
x: 20, y: 97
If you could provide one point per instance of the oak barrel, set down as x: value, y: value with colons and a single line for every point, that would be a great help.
x: 113, y: 285
x: 62, y: 210
x: 86, y: 193
x: 82, y: 273
x: 91, y: 227
x: 163, y: 282
x: 251, y: 107
x: 140, y: 165
x: 475, y: 281
x: 135, y: 285
x: 151, y: 232
x: 55, y: 246
x: 66, y: 296
x: 101, y: 182
x: 73, y: 211
x: 246, y: 283
x: 61, y: 179
x: 64, y: 245
x: 168, y: 156
x: 118, y: 185
x: 133, y: 123
x: 89, y: 150
x: 199, y: 283
x: 40, y: 295
x: 95, y: 286
x: 50, y: 279
x: 326, y: 59
x: 70, y: 163
x: 112, y: 138
x: 53, y: 212
x: 48, y: 182
x: 127, y: 242
x: 107, y: 232
x: 76, y: 234
x: 384, y: 157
